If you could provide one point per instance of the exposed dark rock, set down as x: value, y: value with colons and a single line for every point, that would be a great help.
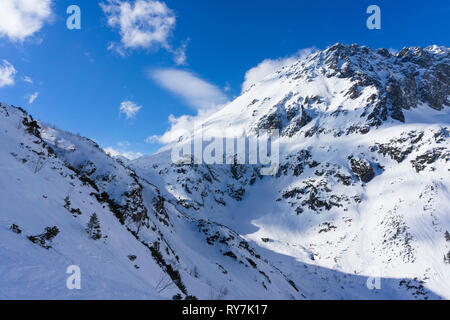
x: 15, y: 228
x: 429, y: 157
x: 353, y: 92
x: 399, y: 148
x: 230, y: 254
x: 132, y: 257
x: 32, y: 126
x: 362, y: 169
x: 327, y: 227
x: 271, y: 121
x: 236, y: 194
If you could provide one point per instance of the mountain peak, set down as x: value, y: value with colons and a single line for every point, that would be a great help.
x: 365, y: 87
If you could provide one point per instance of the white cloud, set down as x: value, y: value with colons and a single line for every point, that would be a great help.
x: 123, y: 144
x: 143, y: 24
x: 196, y: 92
x: 27, y: 79
x: 88, y: 55
x: 7, y: 73
x: 227, y: 87
x: 130, y: 155
x: 182, y: 126
x: 32, y: 97
x: 178, y: 127
x: 153, y: 139
x: 269, y: 66
x: 129, y: 108
x: 179, y: 55
x: 20, y: 19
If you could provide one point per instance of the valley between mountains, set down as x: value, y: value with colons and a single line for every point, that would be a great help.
x: 362, y: 190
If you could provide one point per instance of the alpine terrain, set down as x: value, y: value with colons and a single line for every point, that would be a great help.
x: 359, y: 207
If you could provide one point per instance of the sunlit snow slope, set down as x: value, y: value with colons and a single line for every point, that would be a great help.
x: 363, y: 186
x: 362, y: 191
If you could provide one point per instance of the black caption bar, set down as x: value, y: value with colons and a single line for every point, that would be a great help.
x: 175, y: 310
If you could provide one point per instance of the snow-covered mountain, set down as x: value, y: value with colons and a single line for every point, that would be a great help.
x: 362, y: 190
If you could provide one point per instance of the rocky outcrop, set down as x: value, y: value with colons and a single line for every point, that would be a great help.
x: 362, y: 169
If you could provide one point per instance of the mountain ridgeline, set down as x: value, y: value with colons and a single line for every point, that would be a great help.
x: 362, y: 193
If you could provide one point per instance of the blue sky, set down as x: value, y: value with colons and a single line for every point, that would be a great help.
x: 196, y: 55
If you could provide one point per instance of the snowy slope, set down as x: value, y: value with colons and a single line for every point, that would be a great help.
x: 362, y: 191
x: 363, y: 186
x: 53, y: 178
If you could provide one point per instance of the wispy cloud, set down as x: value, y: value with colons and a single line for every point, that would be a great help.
x: 196, y: 92
x: 130, y: 155
x: 204, y: 96
x: 27, y: 79
x: 179, y: 54
x: 123, y: 144
x: 7, y: 73
x: 32, y: 97
x: 88, y: 55
x: 20, y: 19
x: 227, y: 87
x: 130, y: 109
x: 153, y: 139
x: 269, y: 66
